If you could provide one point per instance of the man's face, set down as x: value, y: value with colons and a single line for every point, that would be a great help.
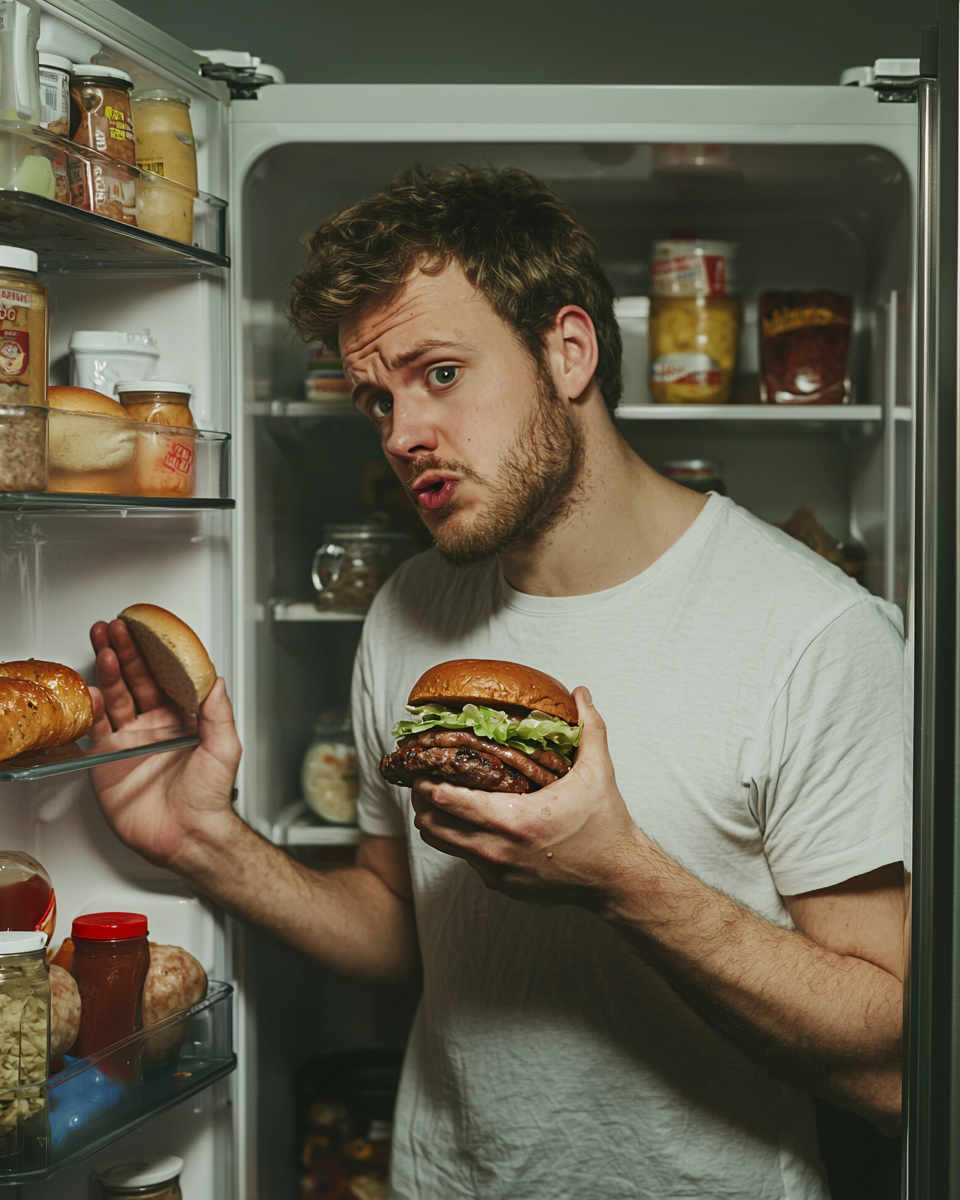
x: 476, y: 431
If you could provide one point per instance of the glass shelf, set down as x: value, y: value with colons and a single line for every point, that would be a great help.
x: 299, y: 826
x: 66, y: 237
x: 93, y: 752
x: 306, y: 610
x: 86, y: 1107
x: 66, y: 502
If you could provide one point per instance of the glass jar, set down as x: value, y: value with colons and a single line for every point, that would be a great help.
x: 165, y: 146
x: 101, y: 117
x: 148, y: 1178
x: 353, y: 564
x: 111, y: 958
x: 165, y: 463
x: 24, y: 1037
x: 329, y: 773
x: 23, y: 448
x: 27, y: 898
x: 24, y: 329
x: 697, y: 474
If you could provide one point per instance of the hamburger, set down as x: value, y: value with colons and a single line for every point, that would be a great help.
x: 484, y: 724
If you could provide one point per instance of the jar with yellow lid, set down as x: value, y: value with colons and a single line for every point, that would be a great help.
x: 165, y: 146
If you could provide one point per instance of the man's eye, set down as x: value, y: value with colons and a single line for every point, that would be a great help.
x: 442, y: 376
x: 382, y: 406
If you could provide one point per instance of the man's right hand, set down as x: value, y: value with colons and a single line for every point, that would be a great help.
x: 160, y: 804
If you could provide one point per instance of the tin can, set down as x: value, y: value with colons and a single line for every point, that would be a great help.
x: 698, y: 474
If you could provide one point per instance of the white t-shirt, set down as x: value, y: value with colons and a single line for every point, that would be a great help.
x: 754, y: 701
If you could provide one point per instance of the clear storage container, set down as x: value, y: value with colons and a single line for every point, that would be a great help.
x: 353, y: 564
x: 24, y: 1040
x: 23, y: 448
x: 329, y: 773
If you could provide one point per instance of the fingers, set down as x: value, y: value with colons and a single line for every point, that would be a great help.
x: 101, y: 722
x: 136, y: 673
x: 118, y: 706
x: 218, y: 730
x: 491, y: 810
x: 594, y: 735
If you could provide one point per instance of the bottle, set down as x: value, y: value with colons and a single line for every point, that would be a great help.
x: 27, y: 899
x: 147, y: 1178
x: 111, y: 958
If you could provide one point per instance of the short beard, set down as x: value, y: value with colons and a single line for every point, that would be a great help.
x: 532, y: 493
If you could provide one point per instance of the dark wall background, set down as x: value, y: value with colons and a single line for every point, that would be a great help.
x: 552, y: 41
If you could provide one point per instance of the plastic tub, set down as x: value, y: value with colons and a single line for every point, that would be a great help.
x: 99, y: 358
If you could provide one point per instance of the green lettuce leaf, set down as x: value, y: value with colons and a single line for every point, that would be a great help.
x: 538, y: 731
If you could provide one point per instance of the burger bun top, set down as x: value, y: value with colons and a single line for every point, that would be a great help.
x: 85, y: 400
x: 494, y: 684
x: 175, y: 655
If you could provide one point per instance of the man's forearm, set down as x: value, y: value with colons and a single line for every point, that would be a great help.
x: 830, y: 1022
x: 347, y: 919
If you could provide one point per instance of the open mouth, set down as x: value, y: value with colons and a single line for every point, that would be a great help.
x: 433, y: 491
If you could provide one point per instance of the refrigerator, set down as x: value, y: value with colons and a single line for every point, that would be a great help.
x: 851, y: 188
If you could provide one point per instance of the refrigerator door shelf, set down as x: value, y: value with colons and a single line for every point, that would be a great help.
x: 94, y: 752
x: 306, y: 610
x: 39, y: 171
x: 86, y: 1109
x: 296, y: 825
x: 66, y: 502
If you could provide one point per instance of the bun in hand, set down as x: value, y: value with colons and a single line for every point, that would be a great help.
x: 175, y: 655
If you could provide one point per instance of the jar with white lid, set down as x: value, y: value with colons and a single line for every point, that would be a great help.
x: 24, y: 329
x: 146, y: 1178
x: 166, y: 147
x: 165, y: 461
x: 24, y: 1038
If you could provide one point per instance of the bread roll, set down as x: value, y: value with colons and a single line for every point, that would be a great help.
x: 93, y: 452
x: 176, y: 656
x: 175, y: 981
x: 66, y: 685
x: 64, y: 1010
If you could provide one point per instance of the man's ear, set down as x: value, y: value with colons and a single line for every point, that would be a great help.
x: 572, y: 351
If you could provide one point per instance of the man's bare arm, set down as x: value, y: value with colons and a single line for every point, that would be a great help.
x: 175, y: 810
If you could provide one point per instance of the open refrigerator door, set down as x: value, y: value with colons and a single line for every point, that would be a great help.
x: 809, y: 191
x: 136, y: 269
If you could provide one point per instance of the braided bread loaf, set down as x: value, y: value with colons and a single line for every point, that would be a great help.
x: 41, y: 704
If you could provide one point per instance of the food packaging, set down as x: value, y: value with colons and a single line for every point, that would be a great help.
x: 24, y: 329
x: 325, y: 381
x: 353, y: 564
x: 23, y: 448
x: 329, y: 773
x: 694, y: 322
x: 165, y: 463
x: 101, y: 118
x: 147, y: 1177
x: 165, y: 147
x: 805, y: 347
x: 55, y: 117
x: 101, y: 358
x: 24, y: 1038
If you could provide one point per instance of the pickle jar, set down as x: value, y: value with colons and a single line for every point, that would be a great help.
x: 156, y: 1178
x: 24, y: 1039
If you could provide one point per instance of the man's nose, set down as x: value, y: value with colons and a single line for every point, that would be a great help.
x: 411, y: 433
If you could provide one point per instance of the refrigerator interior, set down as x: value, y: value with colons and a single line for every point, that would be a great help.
x: 63, y: 569
x: 806, y: 216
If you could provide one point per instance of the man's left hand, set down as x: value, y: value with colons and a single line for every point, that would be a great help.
x: 564, y: 844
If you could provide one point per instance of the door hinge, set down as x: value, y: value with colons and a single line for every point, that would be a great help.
x: 895, y: 80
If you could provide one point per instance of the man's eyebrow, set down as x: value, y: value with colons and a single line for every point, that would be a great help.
x: 421, y: 348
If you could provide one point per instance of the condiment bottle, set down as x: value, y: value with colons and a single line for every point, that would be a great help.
x: 27, y: 898
x: 101, y: 118
x: 165, y: 462
x: 24, y: 1037
x: 24, y: 329
x: 111, y: 958
x: 147, y: 1178
x: 165, y: 146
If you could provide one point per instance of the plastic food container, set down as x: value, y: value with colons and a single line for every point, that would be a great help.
x: 148, y: 1178
x: 24, y: 329
x: 353, y: 564
x: 23, y: 448
x: 329, y: 773
x: 694, y: 321
x: 24, y: 1038
x: 99, y: 358
x: 165, y: 146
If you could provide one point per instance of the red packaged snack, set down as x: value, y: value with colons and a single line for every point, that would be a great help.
x: 805, y: 347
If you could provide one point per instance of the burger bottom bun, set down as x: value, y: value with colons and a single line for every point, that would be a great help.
x: 176, y: 656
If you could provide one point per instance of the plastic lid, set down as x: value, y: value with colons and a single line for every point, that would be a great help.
x: 96, y: 71
x: 151, y: 385
x: 110, y: 926
x: 55, y: 61
x: 171, y: 93
x: 18, y: 259
x: 15, y: 942
x: 138, y: 1172
x: 112, y: 339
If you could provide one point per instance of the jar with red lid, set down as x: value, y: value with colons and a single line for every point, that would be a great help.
x: 111, y: 957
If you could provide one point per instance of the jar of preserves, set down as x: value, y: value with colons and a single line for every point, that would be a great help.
x: 147, y: 1178
x: 111, y: 958
x: 354, y: 562
x: 165, y: 146
x: 694, y: 322
x: 165, y: 461
x: 24, y: 329
x: 24, y: 1038
x: 101, y: 117
x: 329, y: 773
x: 697, y: 474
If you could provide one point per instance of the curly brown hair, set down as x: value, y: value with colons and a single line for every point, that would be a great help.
x: 514, y: 239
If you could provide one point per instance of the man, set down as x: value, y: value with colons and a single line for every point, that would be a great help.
x: 631, y: 978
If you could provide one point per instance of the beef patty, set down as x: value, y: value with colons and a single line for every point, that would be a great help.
x: 462, y: 758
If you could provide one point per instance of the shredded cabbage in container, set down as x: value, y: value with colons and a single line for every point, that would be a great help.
x: 538, y: 731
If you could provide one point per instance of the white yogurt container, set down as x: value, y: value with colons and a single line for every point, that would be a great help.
x: 100, y: 358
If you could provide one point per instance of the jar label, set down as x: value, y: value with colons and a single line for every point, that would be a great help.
x: 14, y: 297
x: 14, y: 352
x: 699, y: 369
x: 179, y: 459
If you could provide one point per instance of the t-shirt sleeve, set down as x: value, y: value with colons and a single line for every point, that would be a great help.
x: 828, y: 779
x: 377, y: 809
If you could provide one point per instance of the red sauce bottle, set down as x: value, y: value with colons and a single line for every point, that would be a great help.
x: 27, y: 899
x: 111, y: 958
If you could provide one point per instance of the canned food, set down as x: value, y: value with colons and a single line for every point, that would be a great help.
x: 697, y: 474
